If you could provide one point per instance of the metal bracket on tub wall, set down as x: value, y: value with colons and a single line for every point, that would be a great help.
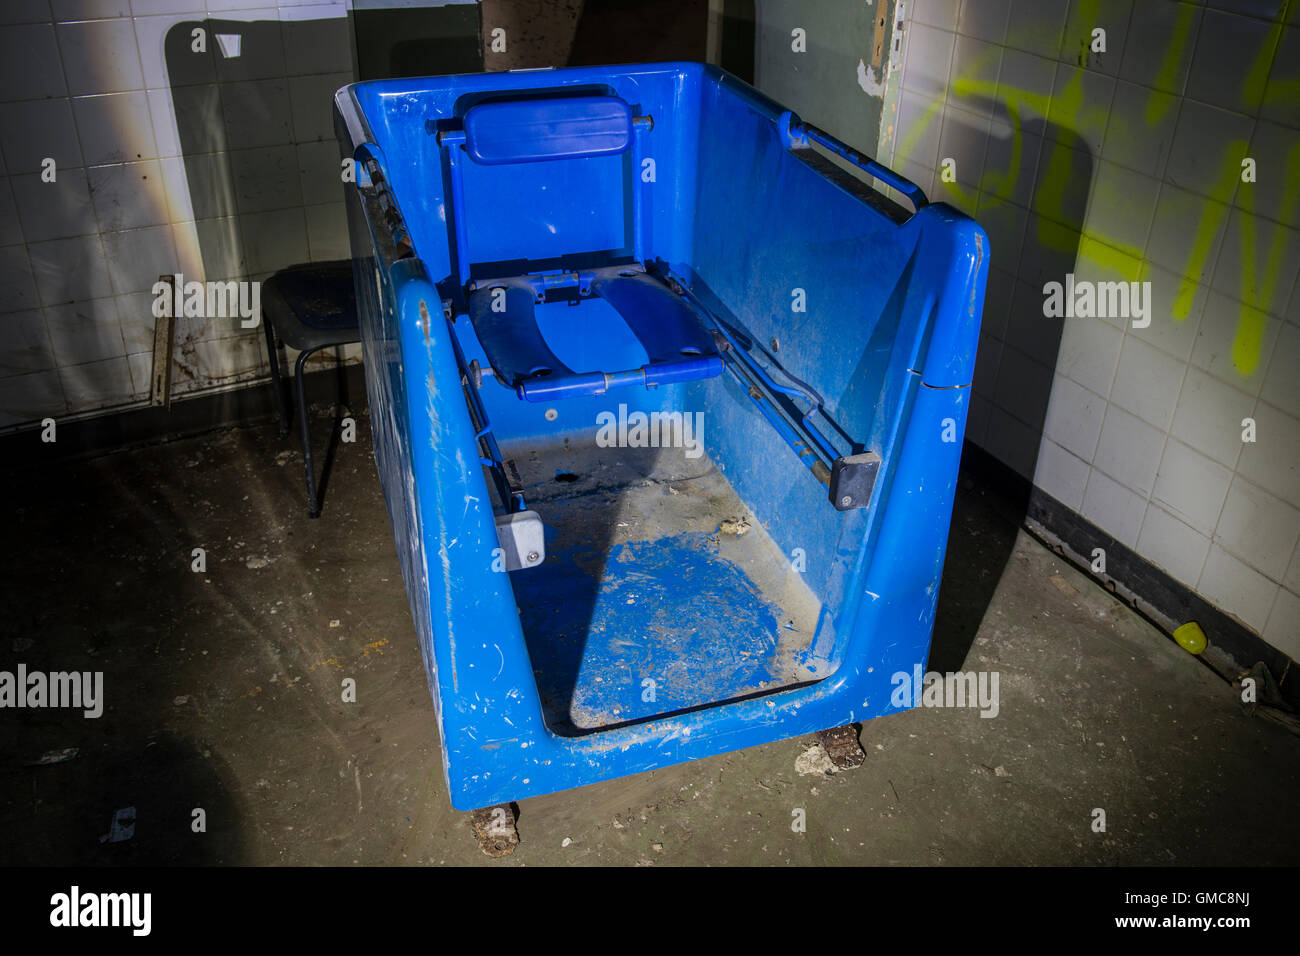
x: 382, y: 209
x: 522, y: 538
x: 852, y: 479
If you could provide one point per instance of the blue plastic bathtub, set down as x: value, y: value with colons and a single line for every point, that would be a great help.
x: 667, y: 408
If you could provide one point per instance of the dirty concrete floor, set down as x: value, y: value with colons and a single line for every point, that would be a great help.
x: 223, y: 693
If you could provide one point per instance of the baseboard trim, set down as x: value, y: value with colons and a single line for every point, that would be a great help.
x: 1131, y: 577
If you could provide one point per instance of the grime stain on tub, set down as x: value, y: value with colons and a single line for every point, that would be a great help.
x: 648, y: 628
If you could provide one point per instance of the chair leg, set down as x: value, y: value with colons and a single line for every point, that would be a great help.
x: 277, y: 386
x: 313, y: 506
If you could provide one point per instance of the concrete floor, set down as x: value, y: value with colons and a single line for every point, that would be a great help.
x: 223, y: 692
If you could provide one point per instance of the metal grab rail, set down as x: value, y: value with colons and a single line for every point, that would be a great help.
x: 800, y: 132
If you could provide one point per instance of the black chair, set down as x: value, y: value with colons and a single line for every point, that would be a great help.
x: 309, y: 307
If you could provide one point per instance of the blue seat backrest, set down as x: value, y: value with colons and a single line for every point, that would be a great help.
x: 530, y: 131
x: 588, y: 131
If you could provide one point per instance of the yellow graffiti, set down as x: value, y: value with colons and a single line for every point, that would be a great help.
x: 1257, y: 289
x: 1165, y: 76
x: 1262, y: 241
x: 1211, y: 218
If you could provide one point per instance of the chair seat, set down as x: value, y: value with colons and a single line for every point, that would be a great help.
x: 675, y: 337
x: 313, y: 305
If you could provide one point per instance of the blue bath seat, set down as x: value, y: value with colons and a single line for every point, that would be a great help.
x: 676, y: 338
x: 679, y: 346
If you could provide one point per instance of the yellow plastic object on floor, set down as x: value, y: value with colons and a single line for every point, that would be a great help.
x: 1190, y: 637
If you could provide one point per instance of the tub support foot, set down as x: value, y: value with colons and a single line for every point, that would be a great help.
x: 842, y: 746
x: 494, y: 828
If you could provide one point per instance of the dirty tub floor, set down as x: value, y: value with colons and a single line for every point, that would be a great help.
x: 655, y: 571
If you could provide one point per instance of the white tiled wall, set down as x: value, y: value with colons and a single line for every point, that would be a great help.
x: 1140, y: 430
x: 86, y: 83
